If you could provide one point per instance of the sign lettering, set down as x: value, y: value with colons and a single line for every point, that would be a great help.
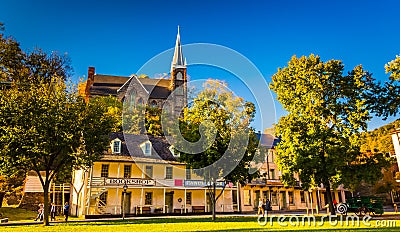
x: 130, y: 182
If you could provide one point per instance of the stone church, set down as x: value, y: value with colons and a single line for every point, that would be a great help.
x: 170, y: 93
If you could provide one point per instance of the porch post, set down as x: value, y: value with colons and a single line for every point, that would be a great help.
x: 287, y: 199
x: 164, y: 202
x: 115, y: 207
x: 223, y: 201
x: 205, y: 200
x: 185, y: 201
x: 141, y: 201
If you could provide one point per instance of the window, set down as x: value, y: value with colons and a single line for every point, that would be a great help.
x: 302, y: 197
x: 270, y: 156
x: 103, y: 198
x: 188, y: 174
x: 140, y: 102
x: 132, y: 98
x: 266, y: 194
x: 172, y: 150
x: 272, y: 174
x: 127, y: 171
x: 116, y: 146
x: 149, y: 171
x: 247, y: 197
x: 146, y: 148
x: 188, y: 198
x: 179, y: 76
x: 154, y: 104
x: 104, y: 170
x: 148, y: 198
x: 234, y: 197
x: 291, y: 199
x: 168, y: 172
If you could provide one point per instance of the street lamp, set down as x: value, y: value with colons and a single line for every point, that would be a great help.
x: 123, y: 200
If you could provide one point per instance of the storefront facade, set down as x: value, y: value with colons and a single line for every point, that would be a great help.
x: 152, y: 186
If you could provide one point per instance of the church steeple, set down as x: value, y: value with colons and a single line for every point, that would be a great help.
x: 178, y: 78
x: 178, y: 61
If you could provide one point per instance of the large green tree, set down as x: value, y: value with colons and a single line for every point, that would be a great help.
x: 45, y: 128
x: 327, y: 109
x: 44, y: 125
x: 387, y: 101
x: 222, y: 143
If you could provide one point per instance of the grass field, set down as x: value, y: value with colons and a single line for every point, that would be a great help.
x: 17, y: 214
x: 205, y: 224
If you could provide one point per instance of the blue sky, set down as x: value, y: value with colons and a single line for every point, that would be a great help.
x: 118, y: 37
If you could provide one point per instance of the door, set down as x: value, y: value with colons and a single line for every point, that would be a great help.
x: 283, y: 200
x: 169, y: 201
x: 209, y: 204
x: 127, y: 203
x: 256, y: 199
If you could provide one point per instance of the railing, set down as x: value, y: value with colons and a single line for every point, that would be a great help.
x: 96, y: 181
x: 104, y: 209
x: 101, y: 206
x: 228, y: 207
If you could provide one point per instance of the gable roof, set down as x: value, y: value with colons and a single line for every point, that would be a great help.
x: 130, y: 146
x: 105, y: 85
x: 158, y: 88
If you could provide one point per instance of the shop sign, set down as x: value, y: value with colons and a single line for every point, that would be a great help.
x: 130, y: 181
x: 202, y: 183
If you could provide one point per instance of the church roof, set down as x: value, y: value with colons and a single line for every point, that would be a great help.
x: 158, y: 88
x: 106, y: 84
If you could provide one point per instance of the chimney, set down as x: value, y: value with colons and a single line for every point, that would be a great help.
x: 91, y: 74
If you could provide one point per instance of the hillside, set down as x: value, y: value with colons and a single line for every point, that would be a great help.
x: 379, y: 139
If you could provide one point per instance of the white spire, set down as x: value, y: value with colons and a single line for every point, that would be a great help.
x: 178, y: 59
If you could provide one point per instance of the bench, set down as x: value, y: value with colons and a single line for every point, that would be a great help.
x: 146, y: 210
x: 158, y: 210
x: 178, y: 210
x: 198, y: 209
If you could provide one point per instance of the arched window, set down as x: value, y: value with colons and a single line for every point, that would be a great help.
x: 154, y: 103
x: 140, y: 102
x: 132, y: 99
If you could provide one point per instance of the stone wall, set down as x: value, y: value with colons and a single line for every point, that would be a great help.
x: 31, y: 201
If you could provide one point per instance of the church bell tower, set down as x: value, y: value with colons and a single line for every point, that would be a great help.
x: 178, y: 77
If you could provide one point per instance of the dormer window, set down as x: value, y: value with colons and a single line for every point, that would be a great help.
x: 116, y: 146
x: 172, y: 150
x: 146, y: 148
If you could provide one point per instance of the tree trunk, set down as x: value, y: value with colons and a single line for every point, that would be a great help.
x: 1, y: 198
x: 46, y: 204
x: 213, y: 201
x: 329, y: 196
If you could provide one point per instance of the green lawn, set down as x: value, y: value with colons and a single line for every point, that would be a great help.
x: 197, y: 224
x: 17, y: 214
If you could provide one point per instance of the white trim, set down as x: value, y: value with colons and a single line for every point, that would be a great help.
x: 119, y: 146
x: 143, y: 147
